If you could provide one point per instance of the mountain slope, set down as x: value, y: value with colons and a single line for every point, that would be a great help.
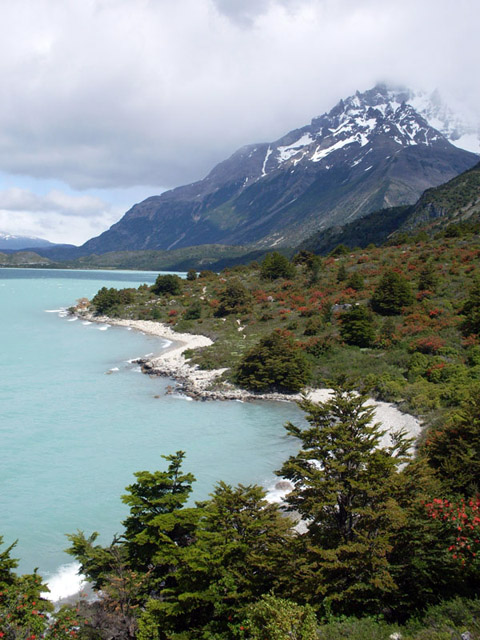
x: 458, y: 200
x: 455, y: 201
x: 370, y: 151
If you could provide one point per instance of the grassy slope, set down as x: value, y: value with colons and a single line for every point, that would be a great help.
x: 396, y: 368
x: 22, y: 258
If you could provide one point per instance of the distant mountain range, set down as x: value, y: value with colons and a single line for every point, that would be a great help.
x: 372, y: 150
x: 456, y: 202
x: 14, y: 242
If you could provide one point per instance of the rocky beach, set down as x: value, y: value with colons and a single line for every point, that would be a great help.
x: 200, y: 384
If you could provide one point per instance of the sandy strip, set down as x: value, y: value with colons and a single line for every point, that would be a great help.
x: 170, y: 361
x: 203, y: 385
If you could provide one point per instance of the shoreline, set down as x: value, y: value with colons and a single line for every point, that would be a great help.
x: 200, y: 384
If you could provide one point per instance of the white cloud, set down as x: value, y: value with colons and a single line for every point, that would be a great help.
x: 57, y: 216
x: 102, y: 95
x: 105, y: 94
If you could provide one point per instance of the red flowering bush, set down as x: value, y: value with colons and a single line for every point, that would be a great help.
x: 430, y: 344
x: 463, y: 520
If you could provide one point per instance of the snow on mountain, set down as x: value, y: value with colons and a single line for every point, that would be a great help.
x: 461, y: 129
x: 14, y: 242
x: 372, y: 150
x: 406, y: 117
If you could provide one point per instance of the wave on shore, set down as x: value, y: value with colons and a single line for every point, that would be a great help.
x: 66, y: 582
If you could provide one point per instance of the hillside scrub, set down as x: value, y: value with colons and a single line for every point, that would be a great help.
x: 401, y: 320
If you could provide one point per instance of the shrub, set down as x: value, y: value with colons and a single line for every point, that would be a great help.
x: 430, y: 344
x: 275, y: 362
x: 471, y: 311
x: 313, y: 325
x: 194, y: 311
x: 279, y: 619
x: 428, y: 278
x: 392, y: 293
x: 191, y: 274
x: 235, y: 298
x: 107, y: 299
x: 355, y: 282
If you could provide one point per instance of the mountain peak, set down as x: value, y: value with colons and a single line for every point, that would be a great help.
x: 372, y: 150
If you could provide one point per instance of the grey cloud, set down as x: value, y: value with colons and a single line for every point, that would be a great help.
x: 56, y: 216
x: 17, y: 199
x: 117, y: 94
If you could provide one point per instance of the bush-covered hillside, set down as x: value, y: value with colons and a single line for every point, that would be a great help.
x: 398, y: 320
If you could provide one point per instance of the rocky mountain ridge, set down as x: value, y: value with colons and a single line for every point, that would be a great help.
x: 372, y: 150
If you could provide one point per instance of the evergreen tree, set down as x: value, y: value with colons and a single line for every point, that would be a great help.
x: 241, y: 552
x: 392, y: 294
x: 454, y: 449
x: 159, y: 524
x: 357, y: 328
x: 355, y: 281
x: 428, y: 278
x: 191, y: 274
x: 275, y: 265
x: 167, y: 284
x: 471, y: 311
x: 275, y: 363
x: 235, y: 298
x: 343, y: 485
x: 341, y: 273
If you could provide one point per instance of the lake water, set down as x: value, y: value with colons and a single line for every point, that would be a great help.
x: 78, y: 419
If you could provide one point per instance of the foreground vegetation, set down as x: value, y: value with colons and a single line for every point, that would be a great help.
x: 389, y: 545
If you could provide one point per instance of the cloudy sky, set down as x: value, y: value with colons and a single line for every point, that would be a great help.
x: 105, y: 102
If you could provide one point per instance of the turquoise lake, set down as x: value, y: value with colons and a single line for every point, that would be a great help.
x: 72, y: 434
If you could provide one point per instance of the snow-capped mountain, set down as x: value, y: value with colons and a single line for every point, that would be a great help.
x: 461, y: 129
x: 372, y: 150
x: 14, y: 243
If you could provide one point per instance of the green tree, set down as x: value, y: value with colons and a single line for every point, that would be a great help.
x: 453, y: 450
x: 339, y: 250
x: 341, y: 273
x: 241, y: 551
x: 355, y: 281
x: 428, y: 278
x: 275, y: 265
x: 357, y: 327
x: 107, y: 300
x: 168, y: 284
x: 23, y: 609
x: 159, y: 524
x: 7, y: 565
x: 194, y: 311
x: 275, y: 362
x: 392, y: 294
x: 235, y: 298
x: 191, y: 274
x: 343, y: 483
